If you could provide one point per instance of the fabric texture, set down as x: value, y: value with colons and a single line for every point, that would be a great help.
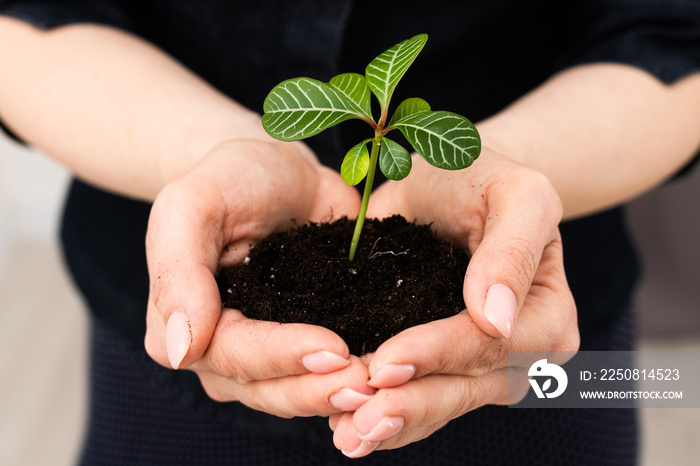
x: 141, y: 414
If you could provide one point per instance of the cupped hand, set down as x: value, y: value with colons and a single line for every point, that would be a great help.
x: 238, y: 194
x: 515, y: 290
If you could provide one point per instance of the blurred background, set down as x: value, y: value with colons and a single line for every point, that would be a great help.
x: 43, y: 328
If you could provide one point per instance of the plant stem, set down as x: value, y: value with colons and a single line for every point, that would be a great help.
x: 369, y: 181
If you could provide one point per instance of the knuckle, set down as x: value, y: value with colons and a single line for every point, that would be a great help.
x: 264, y: 401
x: 406, y: 437
x: 216, y: 362
x: 568, y: 341
x: 215, y: 394
x: 547, y: 197
x: 469, y: 396
x: 518, y: 386
x: 491, y: 357
x: 561, y: 340
x: 226, y: 365
x: 568, y: 337
x: 254, y: 399
x: 523, y: 260
x: 213, y: 389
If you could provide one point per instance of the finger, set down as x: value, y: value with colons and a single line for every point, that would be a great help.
x: 303, y: 395
x: 387, y: 201
x: 346, y: 439
x: 455, y: 345
x: 548, y: 321
x: 398, y: 416
x: 194, y: 219
x: 246, y: 350
x: 182, y: 246
x: 504, y: 263
x: 344, y: 434
x: 335, y: 198
x: 333, y: 419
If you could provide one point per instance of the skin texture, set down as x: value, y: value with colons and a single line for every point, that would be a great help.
x: 577, y: 144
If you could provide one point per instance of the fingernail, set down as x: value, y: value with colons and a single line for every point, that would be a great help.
x: 500, y: 308
x: 323, y: 362
x: 365, y: 448
x: 178, y: 337
x: 347, y: 399
x: 387, y: 428
x: 392, y: 375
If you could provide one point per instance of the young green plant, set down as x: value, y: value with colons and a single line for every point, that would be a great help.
x: 300, y: 108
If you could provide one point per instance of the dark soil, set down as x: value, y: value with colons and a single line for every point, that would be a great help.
x: 402, y: 276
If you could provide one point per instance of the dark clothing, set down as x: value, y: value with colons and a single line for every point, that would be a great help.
x: 142, y: 414
x: 481, y: 55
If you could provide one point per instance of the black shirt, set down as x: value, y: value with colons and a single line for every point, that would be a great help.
x: 492, y: 51
x: 482, y: 55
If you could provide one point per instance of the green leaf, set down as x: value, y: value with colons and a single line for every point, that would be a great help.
x: 384, y: 72
x: 444, y: 139
x: 408, y: 107
x: 354, y: 87
x: 394, y: 160
x: 302, y: 107
x: 355, y: 164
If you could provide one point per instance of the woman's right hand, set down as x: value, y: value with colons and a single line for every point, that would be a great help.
x: 206, y: 219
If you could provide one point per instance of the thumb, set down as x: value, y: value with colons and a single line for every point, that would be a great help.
x: 186, y: 299
x: 184, y: 303
x: 503, y: 266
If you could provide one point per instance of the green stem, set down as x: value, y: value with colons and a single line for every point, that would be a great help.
x: 369, y: 181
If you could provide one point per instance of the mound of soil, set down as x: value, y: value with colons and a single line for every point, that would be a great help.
x: 402, y: 276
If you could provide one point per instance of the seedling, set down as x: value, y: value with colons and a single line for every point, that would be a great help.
x: 300, y: 108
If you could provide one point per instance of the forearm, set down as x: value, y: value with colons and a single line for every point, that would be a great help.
x: 117, y: 111
x: 602, y: 134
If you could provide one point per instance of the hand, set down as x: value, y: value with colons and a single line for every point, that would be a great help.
x: 238, y: 194
x: 507, y: 217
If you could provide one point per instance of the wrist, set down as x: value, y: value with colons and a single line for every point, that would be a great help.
x: 247, y: 136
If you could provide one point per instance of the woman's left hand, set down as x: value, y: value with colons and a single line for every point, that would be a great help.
x: 507, y: 216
